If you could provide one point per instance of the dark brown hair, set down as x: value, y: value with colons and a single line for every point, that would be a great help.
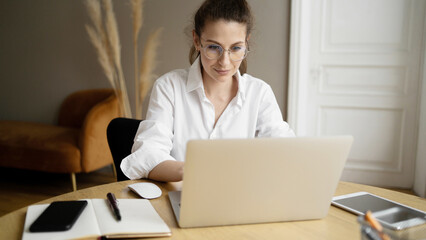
x: 228, y: 10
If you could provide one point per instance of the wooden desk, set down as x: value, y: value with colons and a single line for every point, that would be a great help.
x: 338, y: 224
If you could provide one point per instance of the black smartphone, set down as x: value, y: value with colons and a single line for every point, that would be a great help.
x: 58, y: 216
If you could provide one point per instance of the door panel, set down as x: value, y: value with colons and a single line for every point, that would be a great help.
x: 362, y: 79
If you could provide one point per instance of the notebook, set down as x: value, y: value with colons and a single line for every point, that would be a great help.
x: 139, y: 219
x: 245, y: 181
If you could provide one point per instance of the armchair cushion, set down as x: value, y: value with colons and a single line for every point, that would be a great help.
x: 78, y: 144
x: 93, y: 138
x: 77, y: 105
x: 39, y: 146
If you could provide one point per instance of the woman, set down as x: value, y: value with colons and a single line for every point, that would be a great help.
x: 209, y: 100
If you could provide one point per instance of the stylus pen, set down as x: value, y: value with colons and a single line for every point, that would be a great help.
x: 114, y: 205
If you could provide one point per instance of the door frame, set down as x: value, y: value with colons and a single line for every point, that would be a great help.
x: 298, y: 63
x: 299, y: 74
x: 420, y: 173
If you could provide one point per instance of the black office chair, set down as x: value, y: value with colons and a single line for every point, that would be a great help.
x: 121, y: 134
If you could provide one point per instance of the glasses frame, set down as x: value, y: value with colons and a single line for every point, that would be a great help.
x: 223, y: 50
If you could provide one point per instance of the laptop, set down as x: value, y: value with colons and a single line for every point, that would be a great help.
x: 246, y: 181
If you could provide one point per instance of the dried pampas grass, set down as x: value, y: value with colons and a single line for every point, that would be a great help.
x: 98, y: 38
x: 102, y: 54
x: 137, y: 9
x: 112, y: 32
x: 105, y: 38
x: 146, y: 76
x: 95, y: 14
x: 115, y: 47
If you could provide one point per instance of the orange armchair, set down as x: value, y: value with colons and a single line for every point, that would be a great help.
x: 77, y: 144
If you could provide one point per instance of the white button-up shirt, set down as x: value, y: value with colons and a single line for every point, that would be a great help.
x: 180, y: 111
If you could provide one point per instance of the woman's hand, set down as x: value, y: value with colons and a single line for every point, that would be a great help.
x: 167, y: 171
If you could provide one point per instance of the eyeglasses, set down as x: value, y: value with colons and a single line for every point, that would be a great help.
x: 215, y: 51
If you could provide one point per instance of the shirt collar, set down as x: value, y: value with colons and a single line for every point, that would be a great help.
x: 195, y: 81
x: 241, y: 96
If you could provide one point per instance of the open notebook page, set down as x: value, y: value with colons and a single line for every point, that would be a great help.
x: 137, y: 217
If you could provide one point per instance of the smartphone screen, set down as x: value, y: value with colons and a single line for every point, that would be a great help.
x: 366, y: 202
x: 58, y: 216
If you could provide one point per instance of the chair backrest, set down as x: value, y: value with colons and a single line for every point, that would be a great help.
x: 77, y: 105
x: 121, y: 134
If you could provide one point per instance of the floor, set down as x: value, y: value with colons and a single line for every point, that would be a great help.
x: 20, y: 188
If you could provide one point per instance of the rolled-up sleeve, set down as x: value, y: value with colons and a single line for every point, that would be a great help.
x: 270, y: 122
x: 154, y: 138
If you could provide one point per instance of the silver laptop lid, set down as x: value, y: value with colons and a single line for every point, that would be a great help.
x: 243, y: 181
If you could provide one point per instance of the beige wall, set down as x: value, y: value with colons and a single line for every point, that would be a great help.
x: 45, y: 53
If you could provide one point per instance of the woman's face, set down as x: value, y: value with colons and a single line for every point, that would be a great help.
x: 228, y: 35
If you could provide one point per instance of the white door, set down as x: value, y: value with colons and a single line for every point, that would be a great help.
x: 355, y: 69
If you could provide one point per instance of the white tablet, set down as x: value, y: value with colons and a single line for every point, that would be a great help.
x: 389, y: 213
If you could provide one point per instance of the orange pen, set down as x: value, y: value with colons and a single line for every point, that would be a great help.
x: 376, y: 225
